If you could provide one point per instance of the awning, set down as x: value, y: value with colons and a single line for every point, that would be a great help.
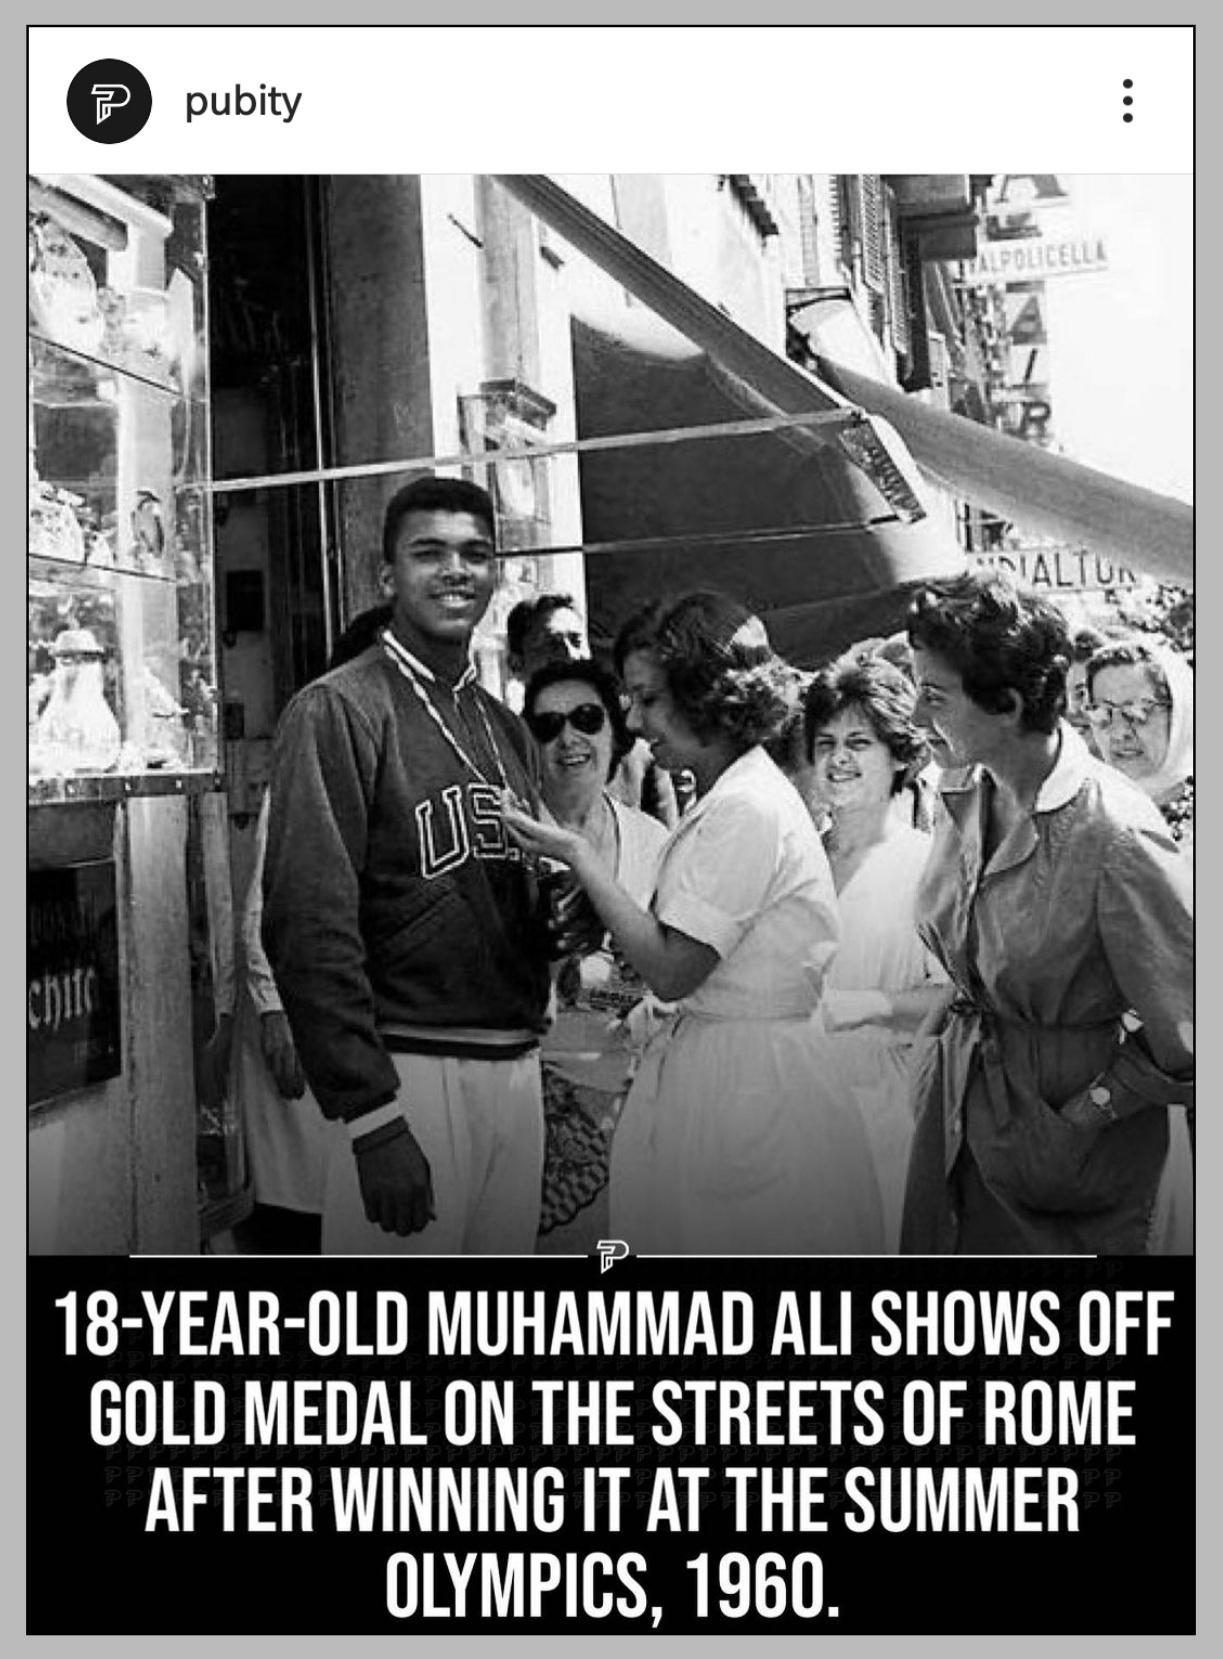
x: 777, y: 523
x: 1043, y: 493
x: 789, y: 523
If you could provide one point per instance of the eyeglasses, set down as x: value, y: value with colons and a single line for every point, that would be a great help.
x: 1134, y: 714
x: 587, y: 718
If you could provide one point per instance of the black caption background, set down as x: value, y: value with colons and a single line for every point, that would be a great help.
x: 94, y: 1569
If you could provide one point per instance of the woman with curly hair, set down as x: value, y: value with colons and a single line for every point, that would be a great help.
x: 735, y: 1137
x: 1059, y: 906
x: 865, y: 750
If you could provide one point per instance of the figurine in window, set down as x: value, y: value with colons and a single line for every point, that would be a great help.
x: 148, y: 531
x: 63, y: 291
x: 165, y: 731
x: 77, y: 730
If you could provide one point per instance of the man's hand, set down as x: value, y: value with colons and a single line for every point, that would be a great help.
x: 280, y: 1052
x: 395, y: 1180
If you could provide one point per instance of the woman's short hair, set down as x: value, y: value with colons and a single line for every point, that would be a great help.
x: 638, y: 632
x: 886, y: 697
x: 605, y: 687
x: 1002, y: 641
x: 724, y: 677
x: 1128, y: 653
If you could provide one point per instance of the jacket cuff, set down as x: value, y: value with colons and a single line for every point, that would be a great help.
x: 368, y: 1140
x: 377, y: 1103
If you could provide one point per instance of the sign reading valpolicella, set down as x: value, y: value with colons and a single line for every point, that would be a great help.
x: 1038, y: 257
x: 72, y: 960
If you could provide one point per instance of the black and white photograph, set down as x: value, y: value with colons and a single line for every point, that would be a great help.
x: 625, y: 731
x: 633, y: 706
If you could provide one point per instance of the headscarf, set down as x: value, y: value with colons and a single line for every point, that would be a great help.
x: 1177, y: 763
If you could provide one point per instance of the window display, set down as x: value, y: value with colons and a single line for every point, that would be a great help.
x: 121, y: 672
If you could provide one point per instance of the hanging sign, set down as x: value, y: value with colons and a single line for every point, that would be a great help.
x: 1057, y: 569
x: 1036, y: 256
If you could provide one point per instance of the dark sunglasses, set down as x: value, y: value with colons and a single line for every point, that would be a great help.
x: 587, y: 718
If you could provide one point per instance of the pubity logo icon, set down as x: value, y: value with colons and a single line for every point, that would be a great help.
x: 109, y: 101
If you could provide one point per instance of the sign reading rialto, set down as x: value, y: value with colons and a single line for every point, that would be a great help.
x: 72, y: 974
x: 1058, y: 569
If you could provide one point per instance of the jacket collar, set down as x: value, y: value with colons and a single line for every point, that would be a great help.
x: 1070, y: 769
x: 414, y: 665
x: 967, y: 805
x: 1073, y: 764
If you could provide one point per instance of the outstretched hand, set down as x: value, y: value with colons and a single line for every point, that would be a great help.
x: 543, y: 840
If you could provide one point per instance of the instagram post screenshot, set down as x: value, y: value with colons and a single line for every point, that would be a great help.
x: 619, y: 735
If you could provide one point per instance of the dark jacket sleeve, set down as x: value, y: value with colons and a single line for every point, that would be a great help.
x: 1145, y: 912
x: 324, y: 768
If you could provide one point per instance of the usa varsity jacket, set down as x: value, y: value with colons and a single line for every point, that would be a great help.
x: 396, y: 914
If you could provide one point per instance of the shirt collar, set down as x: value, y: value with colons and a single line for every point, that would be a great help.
x: 1073, y: 763
x: 1071, y: 767
x: 402, y: 655
x: 738, y: 774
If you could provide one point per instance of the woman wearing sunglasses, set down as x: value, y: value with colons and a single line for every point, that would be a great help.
x: 1141, y: 707
x: 574, y: 712
x: 735, y: 1137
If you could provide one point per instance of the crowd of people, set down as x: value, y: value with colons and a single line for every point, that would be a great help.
x: 903, y: 964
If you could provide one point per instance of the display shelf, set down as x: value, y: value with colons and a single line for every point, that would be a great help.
x: 122, y: 662
x: 102, y: 365
x: 59, y: 791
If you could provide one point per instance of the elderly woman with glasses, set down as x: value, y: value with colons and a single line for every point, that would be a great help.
x: 736, y: 1136
x: 573, y: 709
x: 1059, y: 906
x: 1140, y: 702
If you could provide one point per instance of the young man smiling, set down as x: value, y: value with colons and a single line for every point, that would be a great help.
x: 400, y: 923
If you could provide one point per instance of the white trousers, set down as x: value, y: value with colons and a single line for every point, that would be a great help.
x: 480, y: 1123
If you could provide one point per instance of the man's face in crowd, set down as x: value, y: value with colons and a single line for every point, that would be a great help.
x: 442, y: 577
x: 556, y: 637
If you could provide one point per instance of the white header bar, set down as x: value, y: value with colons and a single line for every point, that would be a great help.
x: 472, y: 98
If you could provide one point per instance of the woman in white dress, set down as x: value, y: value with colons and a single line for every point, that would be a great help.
x: 735, y: 1137
x: 574, y: 712
x: 865, y: 750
